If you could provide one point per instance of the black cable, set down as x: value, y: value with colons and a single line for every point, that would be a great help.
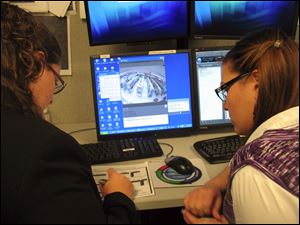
x: 75, y: 131
x: 169, y: 146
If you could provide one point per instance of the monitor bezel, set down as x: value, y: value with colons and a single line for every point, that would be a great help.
x: 137, y: 41
x: 196, y: 36
x: 208, y: 127
x: 166, y: 133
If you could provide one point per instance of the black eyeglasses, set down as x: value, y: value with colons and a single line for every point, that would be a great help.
x: 59, y: 82
x: 224, y: 88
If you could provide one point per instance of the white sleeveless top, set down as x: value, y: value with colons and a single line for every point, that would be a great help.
x: 272, y: 203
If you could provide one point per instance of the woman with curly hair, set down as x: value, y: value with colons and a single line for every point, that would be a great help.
x: 45, y: 175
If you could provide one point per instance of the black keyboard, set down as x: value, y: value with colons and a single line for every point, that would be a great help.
x: 219, y: 150
x: 122, y: 150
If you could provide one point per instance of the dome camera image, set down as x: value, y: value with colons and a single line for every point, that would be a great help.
x: 142, y: 87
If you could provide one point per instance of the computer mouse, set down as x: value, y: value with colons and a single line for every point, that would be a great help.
x: 180, y: 164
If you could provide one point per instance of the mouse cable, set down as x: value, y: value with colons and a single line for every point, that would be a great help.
x: 169, y: 146
x: 75, y: 131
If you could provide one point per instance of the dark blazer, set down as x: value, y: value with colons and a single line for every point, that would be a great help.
x: 46, y: 178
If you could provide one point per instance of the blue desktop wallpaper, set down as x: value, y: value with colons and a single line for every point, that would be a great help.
x: 237, y: 18
x: 131, y: 21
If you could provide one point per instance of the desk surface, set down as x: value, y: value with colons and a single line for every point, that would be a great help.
x: 183, y: 146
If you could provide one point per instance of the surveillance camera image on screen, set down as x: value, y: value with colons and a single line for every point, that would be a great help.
x: 143, y: 83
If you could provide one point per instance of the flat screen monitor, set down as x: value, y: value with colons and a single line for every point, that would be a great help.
x: 111, y: 22
x: 210, y: 111
x: 234, y: 19
x: 143, y: 94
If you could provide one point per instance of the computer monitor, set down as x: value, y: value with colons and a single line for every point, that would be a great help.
x: 210, y: 110
x: 111, y: 22
x: 234, y: 19
x: 143, y: 94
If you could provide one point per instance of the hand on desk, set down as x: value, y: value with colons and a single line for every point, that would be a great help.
x: 117, y: 183
x: 204, y: 202
x: 191, y: 219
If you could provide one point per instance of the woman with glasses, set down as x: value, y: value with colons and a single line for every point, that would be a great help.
x: 45, y: 175
x: 260, y: 89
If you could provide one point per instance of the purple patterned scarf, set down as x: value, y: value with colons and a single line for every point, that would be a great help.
x: 276, y: 154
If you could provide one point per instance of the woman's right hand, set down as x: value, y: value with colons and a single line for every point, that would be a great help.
x: 204, y: 201
x: 117, y: 183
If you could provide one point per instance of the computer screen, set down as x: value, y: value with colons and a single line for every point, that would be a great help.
x: 141, y: 94
x: 234, y: 19
x: 208, y: 69
x: 111, y: 22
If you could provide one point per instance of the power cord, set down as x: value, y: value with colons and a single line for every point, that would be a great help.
x: 75, y: 131
x: 169, y: 145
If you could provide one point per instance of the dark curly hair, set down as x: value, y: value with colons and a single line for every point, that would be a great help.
x: 22, y: 36
x: 276, y: 56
